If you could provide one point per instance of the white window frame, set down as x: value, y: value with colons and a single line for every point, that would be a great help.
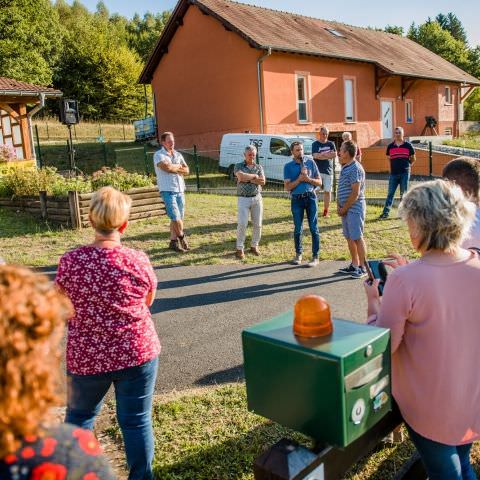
x: 306, y: 102
x: 409, y: 102
x: 448, y: 96
x: 353, y: 105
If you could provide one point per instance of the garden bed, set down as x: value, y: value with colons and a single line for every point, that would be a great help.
x: 72, y: 210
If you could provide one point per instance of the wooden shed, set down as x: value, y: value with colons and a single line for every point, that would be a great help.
x: 19, y: 101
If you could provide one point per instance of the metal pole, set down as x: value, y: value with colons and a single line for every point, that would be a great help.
x: 123, y: 124
x: 71, y: 151
x: 39, y: 151
x: 48, y: 133
x: 197, y: 169
x: 146, y: 99
x: 145, y: 158
x: 430, y: 159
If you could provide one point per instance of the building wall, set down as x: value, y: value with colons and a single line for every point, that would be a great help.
x: 206, y: 85
x: 326, y: 92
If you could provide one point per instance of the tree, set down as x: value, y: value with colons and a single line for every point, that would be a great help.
x: 397, y: 30
x: 452, y: 24
x: 432, y: 36
x: 472, y: 106
x: 30, y: 40
x: 143, y: 33
x: 98, y: 68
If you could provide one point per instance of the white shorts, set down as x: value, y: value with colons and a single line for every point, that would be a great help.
x: 326, y: 182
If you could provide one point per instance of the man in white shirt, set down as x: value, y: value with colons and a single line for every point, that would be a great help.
x: 170, y: 167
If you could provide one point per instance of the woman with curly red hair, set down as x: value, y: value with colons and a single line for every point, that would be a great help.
x: 32, y: 318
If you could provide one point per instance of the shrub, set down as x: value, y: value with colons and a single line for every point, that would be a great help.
x: 7, y: 153
x: 31, y: 181
x: 119, y: 178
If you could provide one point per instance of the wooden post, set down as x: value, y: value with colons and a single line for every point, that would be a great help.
x: 43, y: 204
x: 73, y: 203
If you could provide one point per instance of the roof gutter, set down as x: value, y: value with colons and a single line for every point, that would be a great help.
x: 26, y: 93
x: 260, y: 85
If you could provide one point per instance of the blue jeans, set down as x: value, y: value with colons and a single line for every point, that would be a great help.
x: 133, y: 393
x: 393, y: 182
x: 174, y: 205
x: 443, y: 462
x: 300, y: 205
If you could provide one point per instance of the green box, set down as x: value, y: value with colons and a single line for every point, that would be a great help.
x: 332, y: 388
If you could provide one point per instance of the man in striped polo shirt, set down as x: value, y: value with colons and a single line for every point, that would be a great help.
x: 402, y: 156
x: 352, y: 207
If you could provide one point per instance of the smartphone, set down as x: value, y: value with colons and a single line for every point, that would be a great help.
x: 376, y: 270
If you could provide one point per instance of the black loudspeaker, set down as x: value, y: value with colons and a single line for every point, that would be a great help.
x: 69, y: 112
x: 431, y: 122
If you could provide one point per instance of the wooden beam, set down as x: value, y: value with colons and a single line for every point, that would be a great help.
x: 407, y: 84
x: 467, y: 93
x: 25, y: 130
x: 8, y: 108
x: 19, y: 99
x: 379, y: 76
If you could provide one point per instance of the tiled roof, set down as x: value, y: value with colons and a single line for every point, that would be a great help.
x: 12, y: 87
x: 287, y: 32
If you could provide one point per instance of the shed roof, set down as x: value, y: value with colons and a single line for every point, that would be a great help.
x: 281, y: 31
x: 8, y: 86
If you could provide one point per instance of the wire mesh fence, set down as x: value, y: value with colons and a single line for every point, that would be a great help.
x: 208, y: 171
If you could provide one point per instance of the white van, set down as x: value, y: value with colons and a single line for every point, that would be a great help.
x: 273, y: 151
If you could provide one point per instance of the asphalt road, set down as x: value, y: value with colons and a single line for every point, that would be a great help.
x: 199, y: 313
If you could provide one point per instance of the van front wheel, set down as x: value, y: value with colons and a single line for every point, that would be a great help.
x: 230, y: 173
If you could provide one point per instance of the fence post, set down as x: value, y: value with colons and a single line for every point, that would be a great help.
x: 197, y: 169
x: 430, y: 159
x: 48, y: 133
x: 105, y: 157
x: 43, y: 204
x: 334, y: 189
x: 145, y: 158
x: 123, y: 125
x: 40, y: 160
x: 74, y: 205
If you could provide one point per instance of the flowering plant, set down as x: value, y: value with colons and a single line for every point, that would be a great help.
x: 7, y: 153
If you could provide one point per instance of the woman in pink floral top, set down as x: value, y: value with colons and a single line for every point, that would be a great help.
x: 111, y: 337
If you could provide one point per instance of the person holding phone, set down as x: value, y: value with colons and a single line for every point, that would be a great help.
x: 431, y: 307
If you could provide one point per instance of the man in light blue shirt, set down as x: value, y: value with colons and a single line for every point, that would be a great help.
x: 301, y: 178
x: 170, y: 167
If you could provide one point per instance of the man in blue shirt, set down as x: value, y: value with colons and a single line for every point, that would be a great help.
x: 301, y: 177
x: 324, y: 153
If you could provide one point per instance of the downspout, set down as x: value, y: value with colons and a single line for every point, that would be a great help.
x: 260, y: 85
x: 30, y: 114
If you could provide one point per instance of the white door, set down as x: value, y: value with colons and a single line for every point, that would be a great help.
x: 387, y: 119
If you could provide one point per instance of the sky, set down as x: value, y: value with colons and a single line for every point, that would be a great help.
x: 370, y: 13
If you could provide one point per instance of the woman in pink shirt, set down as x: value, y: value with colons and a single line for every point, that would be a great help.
x: 111, y: 337
x: 432, y: 309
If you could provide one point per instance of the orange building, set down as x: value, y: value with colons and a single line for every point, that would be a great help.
x: 225, y: 67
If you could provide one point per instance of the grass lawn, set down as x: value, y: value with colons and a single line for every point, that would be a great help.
x: 211, y: 226
x: 208, y: 434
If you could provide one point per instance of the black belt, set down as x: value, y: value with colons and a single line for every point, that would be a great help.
x: 302, y: 195
x: 249, y: 196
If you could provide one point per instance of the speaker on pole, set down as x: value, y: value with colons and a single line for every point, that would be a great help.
x: 69, y: 114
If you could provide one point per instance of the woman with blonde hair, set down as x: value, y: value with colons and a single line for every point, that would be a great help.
x: 431, y: 307
x: 32, y: 318
x: 111, y: 337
